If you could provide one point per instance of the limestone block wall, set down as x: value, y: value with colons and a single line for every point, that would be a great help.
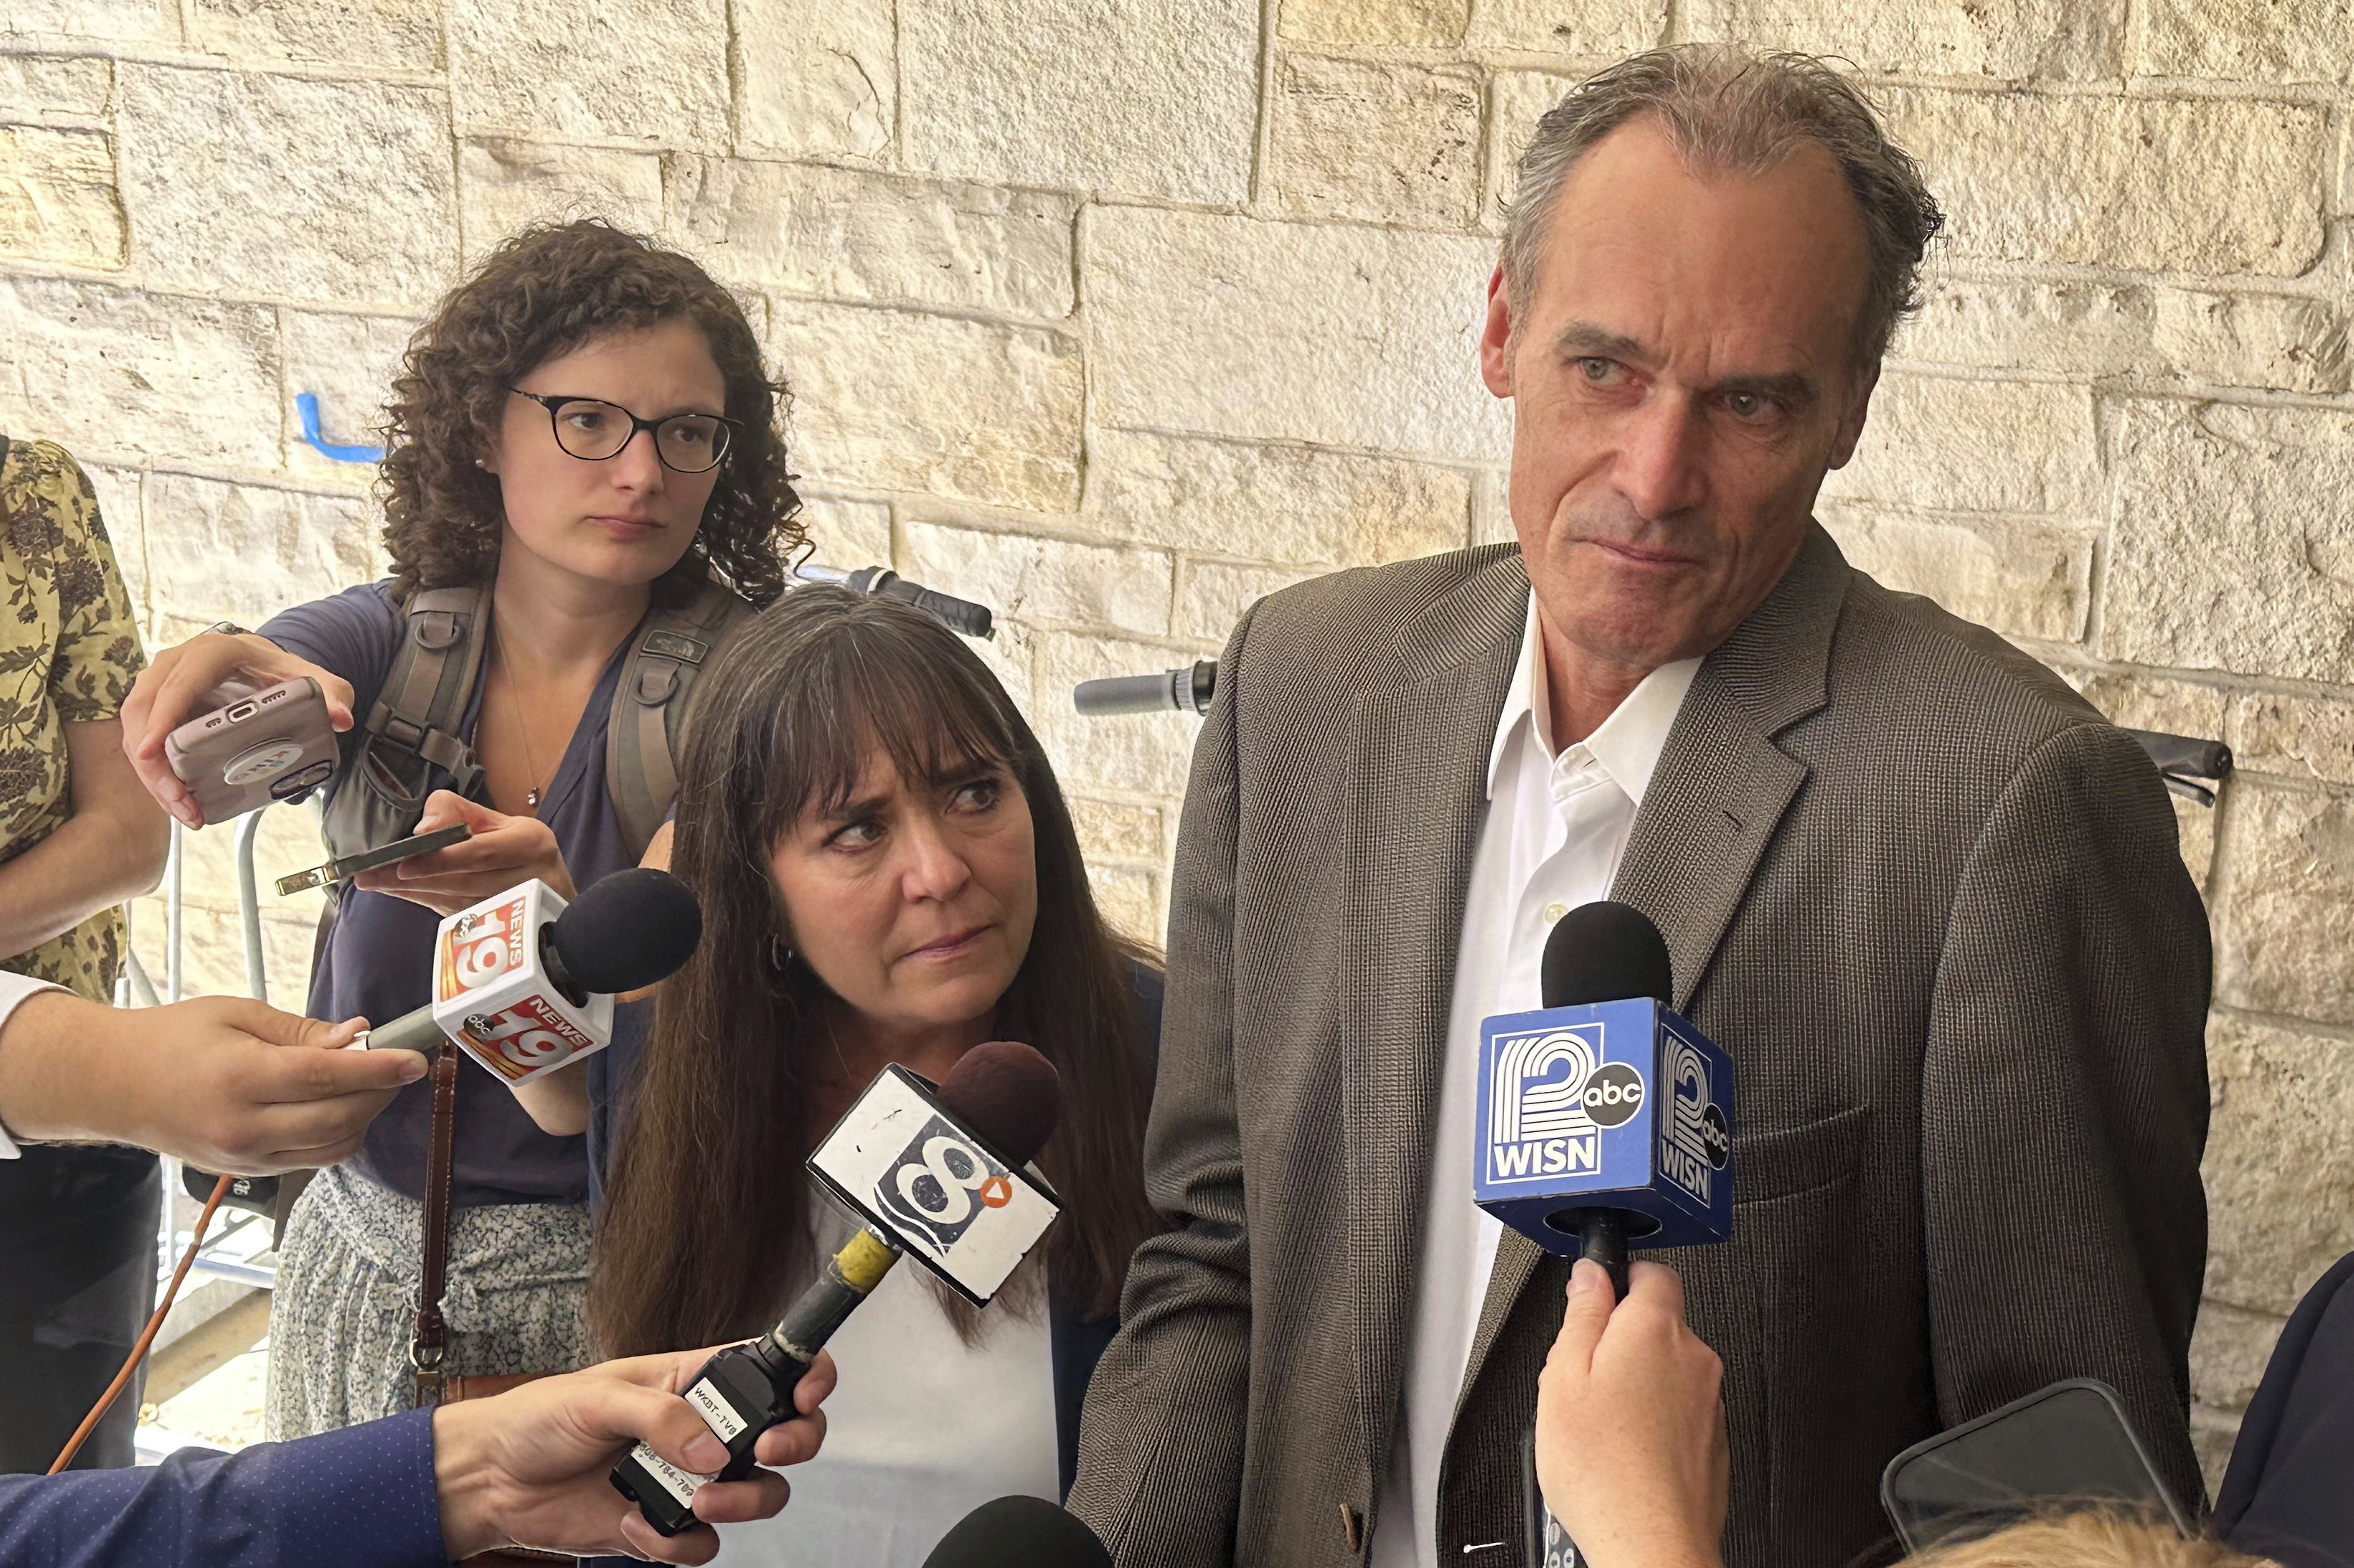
x: 1118, y: 313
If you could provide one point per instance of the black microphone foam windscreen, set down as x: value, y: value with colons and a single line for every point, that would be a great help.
x: 1019, y: 1533
x: 627, y: 930
x: 1009, y: 1093
x: 1607, y: 951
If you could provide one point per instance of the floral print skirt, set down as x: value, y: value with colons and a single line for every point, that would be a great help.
x: 346, y: 1304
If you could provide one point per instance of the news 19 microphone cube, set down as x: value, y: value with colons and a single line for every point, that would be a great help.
x: 1615, y: 1105
x: 494, y: 995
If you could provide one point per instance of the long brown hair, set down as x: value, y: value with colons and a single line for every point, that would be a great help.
x: 545, y: 291
x: 705, y: 1227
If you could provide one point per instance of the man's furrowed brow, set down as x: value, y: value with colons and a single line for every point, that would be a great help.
x: 1580, y: 339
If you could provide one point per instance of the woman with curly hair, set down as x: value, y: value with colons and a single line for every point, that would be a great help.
x: 585, y: 428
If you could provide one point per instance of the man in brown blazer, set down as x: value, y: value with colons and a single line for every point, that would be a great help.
x: 1926, y: 898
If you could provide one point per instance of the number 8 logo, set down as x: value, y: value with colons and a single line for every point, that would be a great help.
x: 955, y: 1187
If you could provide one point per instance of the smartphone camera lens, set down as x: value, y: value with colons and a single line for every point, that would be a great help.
x: 294, y: 786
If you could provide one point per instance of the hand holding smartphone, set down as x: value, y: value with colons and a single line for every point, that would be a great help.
x: 392, y: 853
x: 275, y: 743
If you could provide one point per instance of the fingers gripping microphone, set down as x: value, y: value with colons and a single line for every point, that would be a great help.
x: 1019, y: 1533
x: 1604, y: 1119
x: 524, y: 982
x: 936, y: 1173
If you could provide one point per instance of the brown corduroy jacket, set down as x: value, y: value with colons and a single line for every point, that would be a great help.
x: 1926, y: 898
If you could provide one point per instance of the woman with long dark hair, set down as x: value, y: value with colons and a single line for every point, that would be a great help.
x: 888, y: 874
x: 584, y: 479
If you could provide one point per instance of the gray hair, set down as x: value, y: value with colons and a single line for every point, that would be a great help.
x: 1729, y: 111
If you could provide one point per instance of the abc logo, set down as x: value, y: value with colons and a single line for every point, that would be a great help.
x: 1715, y: 1136
x: 939, y: 1185
x: 1614, y: 1093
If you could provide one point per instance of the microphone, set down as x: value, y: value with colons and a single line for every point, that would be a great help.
x: 1019, y: 1533
x: 938, y: 1173
x: 960, y: 615
x: 524, y: 982
x: 1186, y: 689
x: 1604, y: 1119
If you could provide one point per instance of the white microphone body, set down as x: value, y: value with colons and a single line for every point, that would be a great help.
x: 493, y: 996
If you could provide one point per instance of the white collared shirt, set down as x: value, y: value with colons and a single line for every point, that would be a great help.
x: 1555, y: 828
x: 14, y: 989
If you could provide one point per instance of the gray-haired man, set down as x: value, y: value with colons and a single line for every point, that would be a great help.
x: 1930, y: 902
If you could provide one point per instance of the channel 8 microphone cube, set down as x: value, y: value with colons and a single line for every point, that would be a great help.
x: 906, y: 1166
x: 1615, y: 1105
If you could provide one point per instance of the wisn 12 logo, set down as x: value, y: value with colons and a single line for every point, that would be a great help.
x: 939, y: 1184
x: 1618, y: 1104
x: 1695, y: 1143
x: 1550, y: 1098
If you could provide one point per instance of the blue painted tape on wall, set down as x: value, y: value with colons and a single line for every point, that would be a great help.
x: 306, y: 404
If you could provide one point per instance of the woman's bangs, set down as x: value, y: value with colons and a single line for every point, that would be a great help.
x: 854, y: 693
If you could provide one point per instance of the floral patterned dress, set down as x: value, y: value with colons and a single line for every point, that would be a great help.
x: 68, y: 651
x: 78, y: 1223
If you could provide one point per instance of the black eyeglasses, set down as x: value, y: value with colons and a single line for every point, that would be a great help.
x: 588, y: 428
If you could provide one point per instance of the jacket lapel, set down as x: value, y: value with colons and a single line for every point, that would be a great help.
x: 1417, y: 798
x: 1722, y: 785
x: 1715, y: 801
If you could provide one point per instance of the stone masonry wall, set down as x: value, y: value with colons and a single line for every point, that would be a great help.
x: 1118, y: 313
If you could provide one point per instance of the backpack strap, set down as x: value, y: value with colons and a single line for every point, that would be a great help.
x: 412, y: 726
x: 423, y: 699
x: 648, y: 721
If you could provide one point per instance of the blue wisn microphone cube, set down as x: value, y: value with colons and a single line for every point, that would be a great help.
x: 1615, y: 1105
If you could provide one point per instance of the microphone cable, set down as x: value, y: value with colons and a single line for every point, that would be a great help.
x: 147, y: 1337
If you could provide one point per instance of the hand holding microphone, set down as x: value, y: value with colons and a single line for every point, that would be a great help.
x: 936, y: 1173
x: 221, y: 1082
x: 1604, y: 1119
x: 1631, y: 1454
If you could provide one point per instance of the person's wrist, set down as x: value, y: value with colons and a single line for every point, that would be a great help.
x: 1666, y: 1548
x: 466, y: 1483
x: 56, y: 1060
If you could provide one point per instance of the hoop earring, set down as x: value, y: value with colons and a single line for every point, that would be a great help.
x: 781, y: 954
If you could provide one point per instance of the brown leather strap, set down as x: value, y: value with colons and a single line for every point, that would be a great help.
x: 430, y: 1341
x: 456, y: 1386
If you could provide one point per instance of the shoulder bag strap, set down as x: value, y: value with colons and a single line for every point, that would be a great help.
x: 430, y: 1340
x: 643, y: 731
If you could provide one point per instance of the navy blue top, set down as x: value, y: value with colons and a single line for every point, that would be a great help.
x: 360, y: 1498
x: 2286, y: 1496
x: 377, y: 963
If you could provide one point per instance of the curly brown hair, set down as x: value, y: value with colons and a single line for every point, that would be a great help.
x: 547, y: 290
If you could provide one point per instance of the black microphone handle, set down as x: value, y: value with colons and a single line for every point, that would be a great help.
x: 755, y: 1380
x: 1602, y: 1237
x: 960, y: 614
